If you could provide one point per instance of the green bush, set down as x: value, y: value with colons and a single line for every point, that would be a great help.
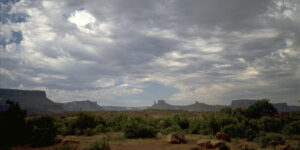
x: 249, y: 134
x: 232, y: 129
x: 65, y: 131
x: 269, y: 124
x: 43, y: 130
x: 103, y: 145
x: 195, y: 125
x: 260, y: 108
x: 265, y: 139
x: 212, y: 125
x: 115, y: 122
x: 290, y: 117
x: 292, y: 128
x: 240, y: 130
x: 181, y: 121
x: 226, y: 110
x: 13, y: 129
x: 89, y: 132
x: 137, y: 127
x: 100, y: 128
x: 84, y: 121
x: 173, y: 128
x: 224, y: 119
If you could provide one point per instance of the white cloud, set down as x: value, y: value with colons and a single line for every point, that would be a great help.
x: 103, y: 50
x: 81, y: 18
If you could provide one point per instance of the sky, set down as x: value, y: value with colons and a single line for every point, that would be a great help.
x: 132, y: 52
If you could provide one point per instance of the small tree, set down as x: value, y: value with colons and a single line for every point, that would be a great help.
x: 226, y: 110
x: 42, y: 130
x: 137, y: 127
x: 13, y: 129
x: 261, y: 108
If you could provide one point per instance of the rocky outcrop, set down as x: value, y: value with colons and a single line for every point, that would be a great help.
x: 223, y: 136
x: 162, y: 105
x: 242, y: 103
x: 32, y: 101
x: 176, y: 138
x: 86, y: 105
x: 202, y: 107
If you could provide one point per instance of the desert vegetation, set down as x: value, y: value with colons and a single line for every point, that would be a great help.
x: 259, y: 123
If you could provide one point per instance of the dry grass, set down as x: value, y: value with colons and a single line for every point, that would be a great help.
x: 117, y: 141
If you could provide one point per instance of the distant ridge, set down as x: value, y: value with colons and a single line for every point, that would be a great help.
x: 86, y: 105
x: 162, y: 105
x: 33, y: 101
x: 36, y: 102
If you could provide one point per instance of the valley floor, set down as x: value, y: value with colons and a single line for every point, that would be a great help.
x: 118, y: 142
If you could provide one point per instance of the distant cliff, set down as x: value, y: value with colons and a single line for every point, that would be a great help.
x: 32, y: 101
x: 81, y: 105
x: 162, y: 105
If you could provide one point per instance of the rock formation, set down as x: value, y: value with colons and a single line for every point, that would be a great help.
x: 86, y: 105
x: 32, y: 101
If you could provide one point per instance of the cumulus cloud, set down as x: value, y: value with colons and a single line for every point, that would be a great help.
x: 108, y: 51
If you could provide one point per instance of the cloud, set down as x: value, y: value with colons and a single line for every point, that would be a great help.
x: 109, y: 51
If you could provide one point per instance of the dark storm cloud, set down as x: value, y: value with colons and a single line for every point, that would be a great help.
x: 212, y: 51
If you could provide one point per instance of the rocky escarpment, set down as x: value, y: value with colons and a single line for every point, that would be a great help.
x: 161, y: 104
x: 32, y: 101
x: 86, y: 105
x: 242, y: 103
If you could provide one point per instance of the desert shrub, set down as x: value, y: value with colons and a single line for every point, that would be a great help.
x: 244, y: 129
x: 260, y: 108
x: 205, y: 125
x: 103, y: 145
x: 42, y: 130
x: 269, y: 124
x: 181, y: 121
x: 252, y: 124
x: 115, y: 122
x: 224, y: 119
x: 64, y: 126
x: 170, y: 129
x: 290, y: 117
x: 212, y: 124
x: 65, y: 131
x: 292, y: 128
x: 226, y: 110
x: 231, y: 129
x: 137, y: 127
x: 238, y: 111
x: 165, y: 122
x: 224, y: 147
x: 195, y: 125
x: 265, y: 139
x: 89, y: 132
x: 84, y: 121
x: 100, y: 128
x: 250, y: 134
x: 13, y: 129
